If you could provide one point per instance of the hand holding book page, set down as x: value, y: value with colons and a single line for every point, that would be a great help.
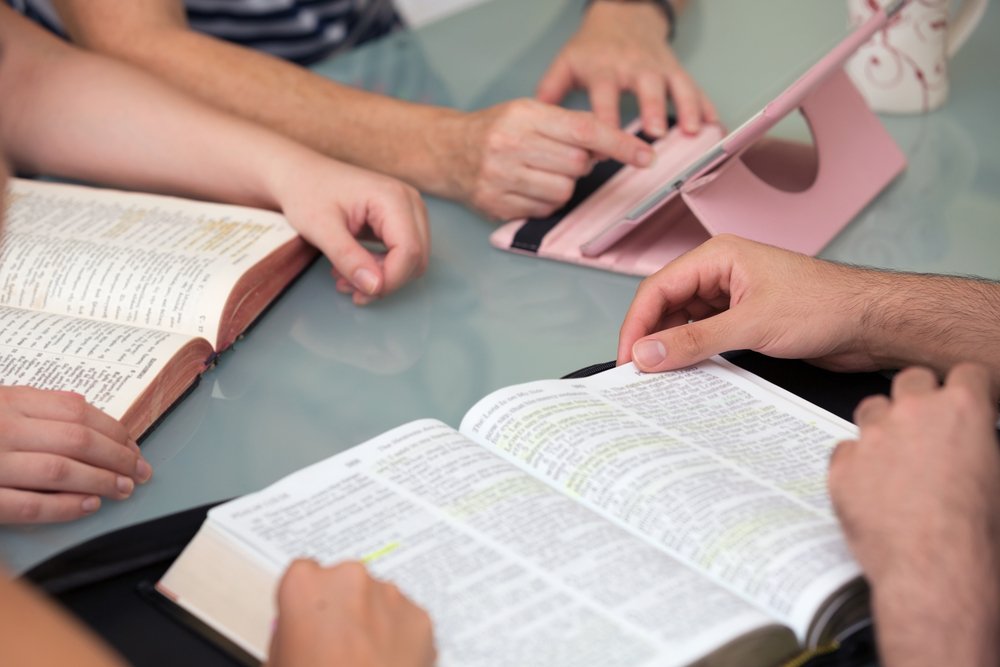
x: 341, y: 615
x: 624, y: 519
x: 733, y: 294
x: 335, y: 616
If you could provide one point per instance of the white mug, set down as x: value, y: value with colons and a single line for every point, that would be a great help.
x: 904, y: 67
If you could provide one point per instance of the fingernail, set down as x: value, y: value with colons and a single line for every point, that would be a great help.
x: 644, y: 157
x: 125, y: 485
x: 91, y: 504
x: 143, y: 471
x: 657, y: 129
x: 649, y: 353
x: 366, y: 280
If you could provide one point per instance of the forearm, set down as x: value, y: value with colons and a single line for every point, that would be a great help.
x: 129, y: 129
x: 935, y: 321
x: 391, y: 136
x: 943, y: 613
x: 37, y: 633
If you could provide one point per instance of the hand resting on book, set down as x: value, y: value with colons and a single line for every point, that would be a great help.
x: 916, y: 494
x: 59, y: 455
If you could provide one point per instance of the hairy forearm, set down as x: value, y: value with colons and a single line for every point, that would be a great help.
x: 391, y: 136
x: 928, y: 320
x: 127, y: 128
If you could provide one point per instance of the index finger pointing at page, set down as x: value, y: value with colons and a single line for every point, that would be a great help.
x: 582, y: 129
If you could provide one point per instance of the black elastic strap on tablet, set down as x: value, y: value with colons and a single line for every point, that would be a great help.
x: 529, y: 236
x: 593, y: 369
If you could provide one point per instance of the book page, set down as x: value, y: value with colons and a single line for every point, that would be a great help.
x: 512, y: 572
x: 724, y: 472
x: 144, y: 260
x: 110, y: 364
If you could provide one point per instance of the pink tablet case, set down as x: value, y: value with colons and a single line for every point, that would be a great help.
x: 757, y: 193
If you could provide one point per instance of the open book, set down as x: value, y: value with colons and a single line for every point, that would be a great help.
x: 619, y: 520
x: 126, y: 297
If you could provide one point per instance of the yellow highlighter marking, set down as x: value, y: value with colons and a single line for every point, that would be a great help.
x: 375, y: 555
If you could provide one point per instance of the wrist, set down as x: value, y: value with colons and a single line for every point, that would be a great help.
x: 418, y: 144
x: 446, y: 150
x: 663, y: 12
x: 942, y: 618
x: 285, y: 170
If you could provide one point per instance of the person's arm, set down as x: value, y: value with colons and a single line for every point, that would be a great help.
x: 342, y: 616
x: 622, y: 45
x: 917, y: 497
x: 68, y: 113
x: 731, y: 294
x: 36, y: 632
x: 514, y: 159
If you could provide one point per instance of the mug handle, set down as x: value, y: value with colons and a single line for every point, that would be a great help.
x: 968, y: 17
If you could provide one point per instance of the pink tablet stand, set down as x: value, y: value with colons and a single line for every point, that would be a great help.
x: 763, y: 193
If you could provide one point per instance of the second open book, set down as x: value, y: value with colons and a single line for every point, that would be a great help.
x: 619, y: 520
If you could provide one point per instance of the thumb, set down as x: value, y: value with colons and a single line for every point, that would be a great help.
x: 685, y: 345
x: 349, y: 257
x: 555, y: 83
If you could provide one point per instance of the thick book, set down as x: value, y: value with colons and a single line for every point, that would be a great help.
x: 125, y: 297
x: 624, y: 519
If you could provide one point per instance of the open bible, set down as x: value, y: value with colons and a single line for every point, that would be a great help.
x: 125, y: 297
x: 618, y: 520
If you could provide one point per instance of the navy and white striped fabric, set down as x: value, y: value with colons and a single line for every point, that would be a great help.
x: 300, y: 30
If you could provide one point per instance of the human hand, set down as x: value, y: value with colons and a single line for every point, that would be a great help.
x: 623, y: 46
x: 916, y: 495
x: 522, y: 158
x: 59, y: 455
x: 335, y: 206
x: 738, y: 294
x: 342, y: 616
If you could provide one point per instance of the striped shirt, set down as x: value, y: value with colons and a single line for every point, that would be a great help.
x: 303, y: 31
